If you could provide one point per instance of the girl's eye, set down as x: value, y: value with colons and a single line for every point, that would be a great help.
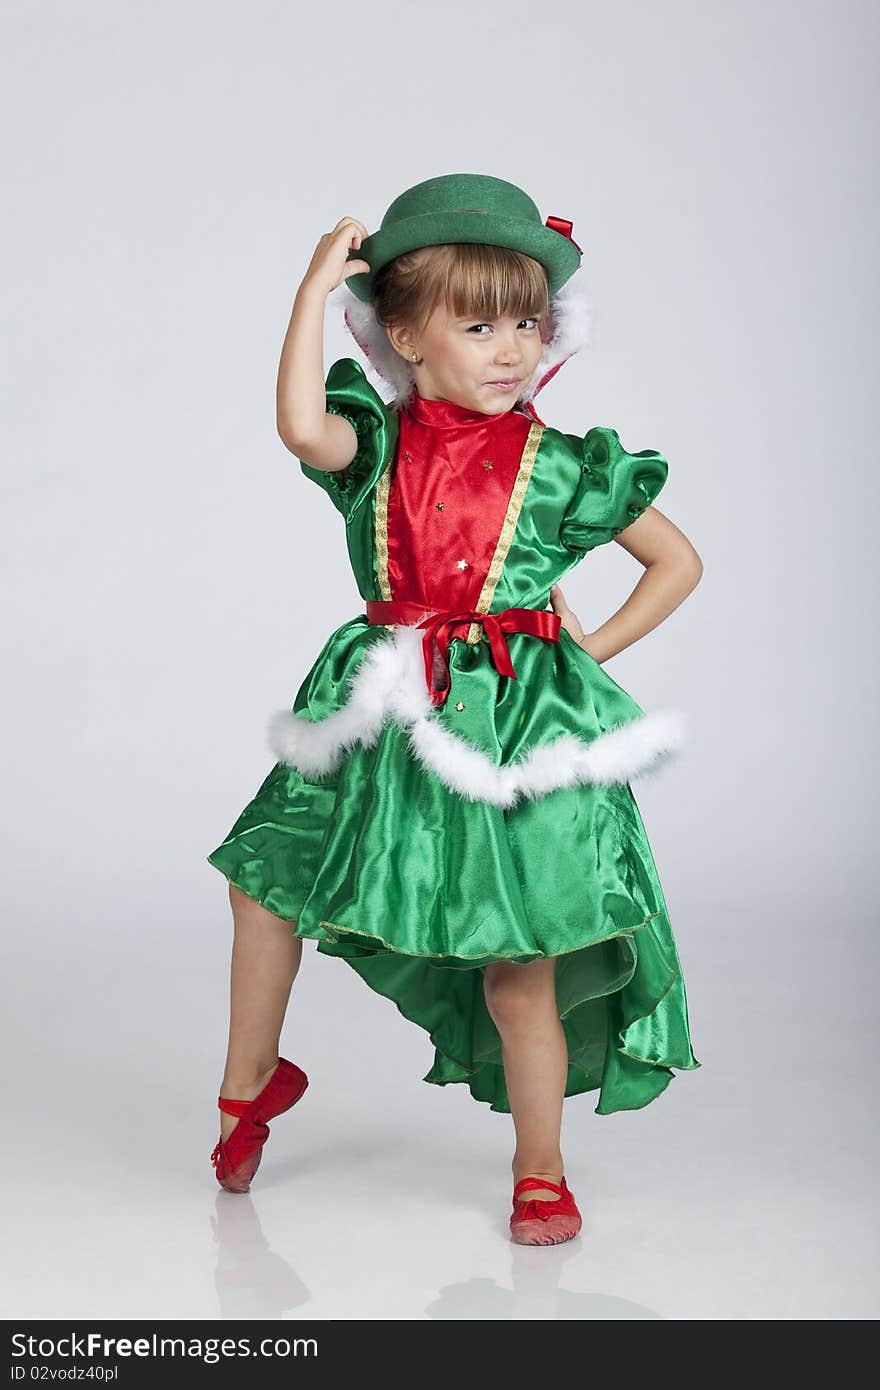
x: 533, y: 321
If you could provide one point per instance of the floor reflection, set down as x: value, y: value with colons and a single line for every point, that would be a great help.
x: 536, y: 1274
x: 252, y: 1281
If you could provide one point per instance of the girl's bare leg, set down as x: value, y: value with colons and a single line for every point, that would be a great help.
x: 266, y: 956
x: 521, y: 1000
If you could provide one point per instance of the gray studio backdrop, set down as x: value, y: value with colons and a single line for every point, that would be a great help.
x: 170, y: 577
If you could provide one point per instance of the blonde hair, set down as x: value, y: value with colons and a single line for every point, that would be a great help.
x: 470, y: 278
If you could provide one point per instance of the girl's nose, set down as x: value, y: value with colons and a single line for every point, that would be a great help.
x: 507, y: 350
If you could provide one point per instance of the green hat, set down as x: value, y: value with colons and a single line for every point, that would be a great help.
x: 467, y: 207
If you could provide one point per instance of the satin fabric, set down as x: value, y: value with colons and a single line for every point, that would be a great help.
x: 454, y: 474
x: 559, y: 690
x: 439, y: 628
x: 418, y: 888
x: 581, y: 492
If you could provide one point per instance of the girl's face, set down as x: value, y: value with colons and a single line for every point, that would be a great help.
x: 479, y: 364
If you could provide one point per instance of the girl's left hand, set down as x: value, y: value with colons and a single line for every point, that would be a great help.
x: 570, y: 620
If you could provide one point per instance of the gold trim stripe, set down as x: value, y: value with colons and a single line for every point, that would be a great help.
x: 331, y: 928
x: 383, y: 488
x: 514, y: 506
x: 502, y: 545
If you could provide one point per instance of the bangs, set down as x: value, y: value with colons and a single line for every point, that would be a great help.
x: 471, y: 279
x: 490, y: 282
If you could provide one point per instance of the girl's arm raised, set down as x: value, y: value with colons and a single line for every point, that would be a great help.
x: 323, y: 441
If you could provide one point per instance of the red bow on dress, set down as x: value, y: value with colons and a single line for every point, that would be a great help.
x: 561, y: 225
x: 539, y: 622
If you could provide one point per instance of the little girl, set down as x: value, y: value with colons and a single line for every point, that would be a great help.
x: 450, y: 811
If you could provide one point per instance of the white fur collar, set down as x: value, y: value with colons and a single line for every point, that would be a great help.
x: 570, y: 320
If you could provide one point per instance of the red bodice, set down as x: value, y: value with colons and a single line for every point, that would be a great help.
x: 446, y: 524
x: 451, y: 484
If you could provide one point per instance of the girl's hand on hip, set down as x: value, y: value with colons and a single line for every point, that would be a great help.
x: 570, y: 620
x: 328, y: 267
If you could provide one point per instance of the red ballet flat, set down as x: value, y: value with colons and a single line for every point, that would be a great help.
x: 534, y: 1221
x: 236, y: 1160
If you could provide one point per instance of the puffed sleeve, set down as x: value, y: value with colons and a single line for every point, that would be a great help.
x: 614, y: 488
x: 349, y: 393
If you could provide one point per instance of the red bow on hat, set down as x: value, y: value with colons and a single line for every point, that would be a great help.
x: 561, y: 225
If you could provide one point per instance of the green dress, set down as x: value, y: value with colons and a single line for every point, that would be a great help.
x: 419, y: 841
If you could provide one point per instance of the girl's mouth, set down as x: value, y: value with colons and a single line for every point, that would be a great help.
x: 503, y: 385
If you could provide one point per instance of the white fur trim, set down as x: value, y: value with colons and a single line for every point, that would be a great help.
x: 571, y: 317
x: 389, y: 683
x: 570, y: 323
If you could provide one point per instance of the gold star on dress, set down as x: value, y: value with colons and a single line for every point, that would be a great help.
x: 488, y: 464
x: 439, y: 506
x: 461, y: 564
x: 459, y: 705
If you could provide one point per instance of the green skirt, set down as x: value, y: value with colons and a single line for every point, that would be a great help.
x: 419, y: 888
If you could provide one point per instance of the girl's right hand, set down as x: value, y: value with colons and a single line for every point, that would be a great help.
x: 328, y: 267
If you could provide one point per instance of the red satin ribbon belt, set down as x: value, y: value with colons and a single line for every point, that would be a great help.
x: 540, y: 622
